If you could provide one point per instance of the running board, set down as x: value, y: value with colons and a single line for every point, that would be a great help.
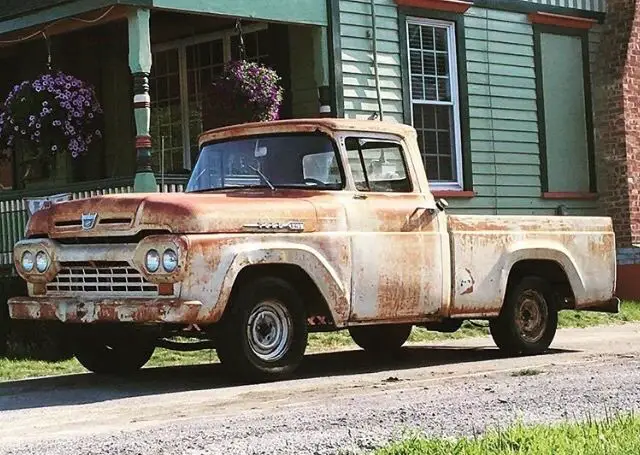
x: 612, y: 306
x: 185, y: 347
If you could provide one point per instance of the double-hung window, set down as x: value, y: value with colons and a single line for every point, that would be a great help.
x: 181, y: 73
x: 435, y: 99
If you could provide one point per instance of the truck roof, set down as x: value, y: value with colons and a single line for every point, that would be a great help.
x: 306, y: 125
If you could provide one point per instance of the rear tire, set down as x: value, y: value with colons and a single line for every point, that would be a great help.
x: 528, y: 321
x: 109, y: 351
x: 264, y: 333
x: 380, y: 338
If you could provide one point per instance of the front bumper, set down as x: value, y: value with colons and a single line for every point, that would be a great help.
x: 105, y: 310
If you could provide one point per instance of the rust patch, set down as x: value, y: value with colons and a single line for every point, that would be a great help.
x: 326, y: 125
x: 106, y: 310
x: 466, y: 283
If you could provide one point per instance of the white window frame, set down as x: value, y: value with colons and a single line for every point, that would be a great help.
x: 458, y: 184
x: 181, y: 45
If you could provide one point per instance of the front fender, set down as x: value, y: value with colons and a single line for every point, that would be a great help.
x: 234, y: 258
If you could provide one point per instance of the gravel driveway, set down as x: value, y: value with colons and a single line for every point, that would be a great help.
x: 340, y: 401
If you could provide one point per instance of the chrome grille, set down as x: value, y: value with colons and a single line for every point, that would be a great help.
x: 101, y: 278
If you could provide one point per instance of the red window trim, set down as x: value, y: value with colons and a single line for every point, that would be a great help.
x: 561, y: 20
x: 569, y: 195
x: 452, y: 194
x: 452, y: 6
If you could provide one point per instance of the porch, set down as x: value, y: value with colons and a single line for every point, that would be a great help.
x: 150, y: 68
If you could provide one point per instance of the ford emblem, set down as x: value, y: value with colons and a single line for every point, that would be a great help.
x: 88, y: 220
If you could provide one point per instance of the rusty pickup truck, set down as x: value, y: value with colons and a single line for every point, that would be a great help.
x: 300, y: 226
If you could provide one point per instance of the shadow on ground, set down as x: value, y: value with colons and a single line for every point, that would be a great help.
x: 89, y: 388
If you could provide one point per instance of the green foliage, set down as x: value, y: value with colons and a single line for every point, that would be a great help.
x: 619, y: 435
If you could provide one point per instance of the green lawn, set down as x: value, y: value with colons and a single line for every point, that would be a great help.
x: 612, y: 436
x: 18, y: 369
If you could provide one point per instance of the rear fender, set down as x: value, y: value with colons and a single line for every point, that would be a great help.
x: 543, y: 251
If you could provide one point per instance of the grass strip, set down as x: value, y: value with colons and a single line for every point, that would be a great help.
x: 619, y: 435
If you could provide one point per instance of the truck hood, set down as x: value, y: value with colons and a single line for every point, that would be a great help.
x: 178, y: 213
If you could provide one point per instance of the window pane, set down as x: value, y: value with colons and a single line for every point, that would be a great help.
x: 414, y: 36
x: 436, y: 141
x: 427, y: 37
x: 430, y: 142
x: 443, y: 89
x: 283, y: 160
x: 256, y: 47
x: 441, y: 41
x: 433, y: 98
x: 442, y: 116
x: 431, y: 164
x: 416, y: 63
x: 321, y: 167
x: 385, y: 168
x: 353, y: 155
x: 429, y: 116
x: 417, y: 88
x: 430, y: 88
x: 429, y: 63
x: 442, y: 64
x: 446, y: 171
x: 166, y: 119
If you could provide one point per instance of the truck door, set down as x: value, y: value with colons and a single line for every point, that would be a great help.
x: 395, y: 242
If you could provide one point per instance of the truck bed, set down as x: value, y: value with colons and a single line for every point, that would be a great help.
x: 484, y: 250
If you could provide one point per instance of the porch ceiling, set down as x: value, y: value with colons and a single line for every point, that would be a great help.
x: 17, y: 15
x: 313, y: 12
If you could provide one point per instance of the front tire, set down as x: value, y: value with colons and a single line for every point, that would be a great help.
x: 110, y: 351
x: 264, y: 334
x: 529, y: 319
x: 380, y: 338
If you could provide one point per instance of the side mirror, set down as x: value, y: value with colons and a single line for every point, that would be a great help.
x: 442, y: 204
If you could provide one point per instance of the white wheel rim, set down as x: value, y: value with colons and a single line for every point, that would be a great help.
x: 269, y: 331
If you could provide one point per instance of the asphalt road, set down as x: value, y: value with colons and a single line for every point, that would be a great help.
x: 341, y: 400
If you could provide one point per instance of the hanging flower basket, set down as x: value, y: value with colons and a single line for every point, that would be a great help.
x: 244, y: 92
x: 53, y: 114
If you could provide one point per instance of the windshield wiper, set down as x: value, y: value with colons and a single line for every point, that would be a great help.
x: 264, y: 177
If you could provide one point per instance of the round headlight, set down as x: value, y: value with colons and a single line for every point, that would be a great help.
x: 27, y: 261
x: 170, y: 260
x: 152, y: 261
x: 42, y: 261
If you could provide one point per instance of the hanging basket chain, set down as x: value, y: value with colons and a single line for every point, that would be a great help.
x: 48, y: 44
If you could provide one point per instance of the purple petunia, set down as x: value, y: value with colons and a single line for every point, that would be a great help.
x: 70, y: 103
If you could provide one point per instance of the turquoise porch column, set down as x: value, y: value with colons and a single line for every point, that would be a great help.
x: 140, y: 65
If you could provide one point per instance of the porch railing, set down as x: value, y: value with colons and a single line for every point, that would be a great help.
x: 14, y: 214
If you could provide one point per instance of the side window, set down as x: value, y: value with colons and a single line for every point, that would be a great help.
x: 378, y: 166
x: 321, y: 167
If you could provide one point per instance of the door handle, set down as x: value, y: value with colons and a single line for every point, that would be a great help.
x: 359, y: 196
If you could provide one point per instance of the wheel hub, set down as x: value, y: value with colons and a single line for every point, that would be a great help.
x: 531, y: 316
x: 269, y: 331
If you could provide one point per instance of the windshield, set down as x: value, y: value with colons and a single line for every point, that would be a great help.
x: 291, y: 160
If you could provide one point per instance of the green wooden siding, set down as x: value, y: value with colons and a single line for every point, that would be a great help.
x: 503, y: 117
x: 358, y: 76
x: 502, y: 99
